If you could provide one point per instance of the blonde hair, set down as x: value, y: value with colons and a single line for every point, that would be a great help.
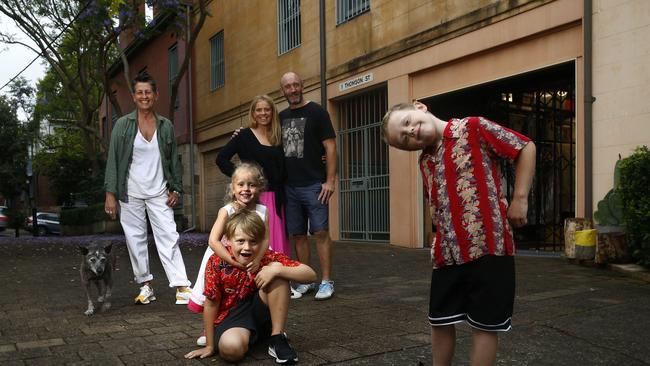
x: 249, y: 222
x: 384, y: 121
x: 257, y: 174
x: 275, y: 138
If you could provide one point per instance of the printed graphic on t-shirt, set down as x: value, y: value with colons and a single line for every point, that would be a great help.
x: 293, y: 137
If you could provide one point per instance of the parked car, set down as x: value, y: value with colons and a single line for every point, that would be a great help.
x: 4, y: 219
x: 47, y: 223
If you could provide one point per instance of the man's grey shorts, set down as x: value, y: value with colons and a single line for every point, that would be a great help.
x: 302, y: 207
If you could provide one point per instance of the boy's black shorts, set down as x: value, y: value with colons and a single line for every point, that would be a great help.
x: 480, y: 293
x: 252, y: 314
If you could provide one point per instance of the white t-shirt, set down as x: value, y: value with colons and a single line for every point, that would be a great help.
x: 146, y: 178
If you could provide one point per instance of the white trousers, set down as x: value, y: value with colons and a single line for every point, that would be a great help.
x: 134, y: 224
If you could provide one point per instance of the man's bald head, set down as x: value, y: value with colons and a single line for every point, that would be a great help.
x: 291, y: 86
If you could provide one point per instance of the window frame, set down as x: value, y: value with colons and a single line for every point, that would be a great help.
x: 289, y: 27
x: 217, y: 61
x: 347, y: 10
x: 172, y: 70
x: 114, y: 115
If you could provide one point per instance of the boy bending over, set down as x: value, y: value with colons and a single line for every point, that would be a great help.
x: 240, y: 307
x: 473, y: 278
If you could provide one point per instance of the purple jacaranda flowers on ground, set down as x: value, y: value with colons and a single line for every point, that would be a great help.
x: 193, y: 239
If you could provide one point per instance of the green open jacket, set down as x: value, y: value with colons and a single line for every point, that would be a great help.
x: 121, y: 151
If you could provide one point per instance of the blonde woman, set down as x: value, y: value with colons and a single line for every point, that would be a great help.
x: 262, y: 143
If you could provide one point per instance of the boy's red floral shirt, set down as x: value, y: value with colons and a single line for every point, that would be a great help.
x: 462, y: 183
x: 228, y: 285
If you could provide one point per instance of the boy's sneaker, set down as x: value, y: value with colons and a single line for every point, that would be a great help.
x: 325, y: 290
x: 183, y: 296
x: 280, y: 349
x: 304, y: 288
x: 146, y: 295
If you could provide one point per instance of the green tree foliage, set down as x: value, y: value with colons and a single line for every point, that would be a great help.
x: 76, y: 50
x: 22, y: 96
x: 78, y: 40
x: 635, y: 195
x: 62, y: 158
x: 13, y: 158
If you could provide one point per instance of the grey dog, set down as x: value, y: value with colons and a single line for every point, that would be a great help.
x: 97, y: 264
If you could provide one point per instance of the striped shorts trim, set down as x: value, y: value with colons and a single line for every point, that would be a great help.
x: 464, y: 318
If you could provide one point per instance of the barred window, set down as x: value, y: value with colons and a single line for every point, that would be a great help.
x: 348, y: 9
x: 105, y: 135
x: 114, y: 115
x: 173, y: 69
x: 288, y: 25
x: 217, y: 64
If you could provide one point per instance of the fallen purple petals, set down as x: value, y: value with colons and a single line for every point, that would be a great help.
x: 191, y: 239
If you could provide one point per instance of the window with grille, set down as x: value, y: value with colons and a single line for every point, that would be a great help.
x: 288, y: 25
x: 348, y: 9
x: 105, y: 133
x: 172, y: 54
x: 114, y: 115
x: 217, y: 65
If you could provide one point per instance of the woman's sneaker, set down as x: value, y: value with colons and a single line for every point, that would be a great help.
x: 280, y: 349
x: 294, y: 294
x: 304, y: 288
x: 145, y: 296
x: 183, y: 296
x: 325, y: 290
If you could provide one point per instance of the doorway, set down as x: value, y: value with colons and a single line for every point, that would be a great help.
x: 363, y: 167
x: 540, y: 105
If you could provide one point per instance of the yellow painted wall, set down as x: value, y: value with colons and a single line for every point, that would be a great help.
x: 253, y: 67
x: 621, y: 79
x: 388, y: 23
x: 540, y: 37
x: 417, y: 48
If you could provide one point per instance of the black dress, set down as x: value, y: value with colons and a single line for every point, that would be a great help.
x: 270, y: 158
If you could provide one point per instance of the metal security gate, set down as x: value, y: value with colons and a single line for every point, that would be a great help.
x: 363, y: 168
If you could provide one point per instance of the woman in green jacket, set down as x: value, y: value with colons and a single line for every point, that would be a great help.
x: 143, y: 173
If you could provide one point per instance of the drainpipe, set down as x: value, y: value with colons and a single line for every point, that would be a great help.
x: 588, y: 100
x: 323, y: 52
x: 191, y: 123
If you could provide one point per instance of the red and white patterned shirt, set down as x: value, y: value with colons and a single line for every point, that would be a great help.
x: 228, y: 285
x: 462, y: 183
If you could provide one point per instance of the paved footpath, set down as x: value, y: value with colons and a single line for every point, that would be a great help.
x: 565, y: 314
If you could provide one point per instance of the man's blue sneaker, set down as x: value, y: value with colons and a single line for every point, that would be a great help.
x: 325, y: 290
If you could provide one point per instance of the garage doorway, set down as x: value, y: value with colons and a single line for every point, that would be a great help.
x: 541, y: 105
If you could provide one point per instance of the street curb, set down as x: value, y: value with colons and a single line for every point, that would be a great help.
x: 632, y: 270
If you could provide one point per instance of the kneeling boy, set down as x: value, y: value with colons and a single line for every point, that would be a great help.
x: 241, y: 307
x: 473, y: 278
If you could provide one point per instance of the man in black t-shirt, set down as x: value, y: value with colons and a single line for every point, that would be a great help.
x: 307, y: 135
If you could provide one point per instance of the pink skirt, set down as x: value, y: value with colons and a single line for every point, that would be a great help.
x: 278, y: 240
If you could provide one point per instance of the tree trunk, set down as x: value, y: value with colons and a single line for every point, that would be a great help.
x: 612, y: 246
